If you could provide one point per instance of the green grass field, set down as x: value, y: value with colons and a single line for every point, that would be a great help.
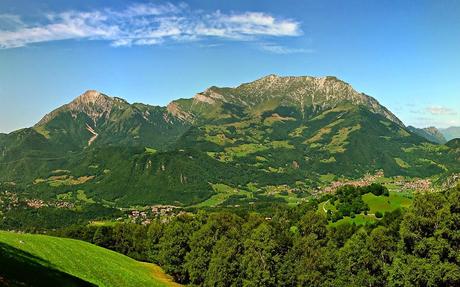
x: 76, y: 260
x: 223, y: 192
x: 390, y: 203
x: 376, y: 203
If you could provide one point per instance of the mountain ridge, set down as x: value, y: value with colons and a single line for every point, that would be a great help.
x: 304, y: 92
x: 97, y: 104
x: 294, y: 132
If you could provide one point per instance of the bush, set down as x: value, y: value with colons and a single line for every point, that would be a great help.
x: 379, y: 214
x: 377, y: 189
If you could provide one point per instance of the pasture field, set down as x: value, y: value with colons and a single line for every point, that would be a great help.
x: 376, y: 203
x: 390, y: 203
x: 223, y: 192
x: 92, y: 265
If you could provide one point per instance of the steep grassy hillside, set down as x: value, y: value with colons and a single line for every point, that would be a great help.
x: 69, y: 262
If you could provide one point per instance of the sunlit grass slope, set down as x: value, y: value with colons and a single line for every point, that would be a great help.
x: 88, y: 262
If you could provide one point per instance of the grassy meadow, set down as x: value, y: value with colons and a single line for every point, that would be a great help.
x: 376, y: 204
x: 78, y: 262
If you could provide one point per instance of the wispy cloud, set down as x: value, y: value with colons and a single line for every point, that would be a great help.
x: 10, y: 22
x: 279, y: 49
x: 148, y: 24
x: 423, y: 122
x: 440, y: 110
x: 434, y: 115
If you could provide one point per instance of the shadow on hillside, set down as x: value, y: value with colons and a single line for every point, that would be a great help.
x: 19, y: 268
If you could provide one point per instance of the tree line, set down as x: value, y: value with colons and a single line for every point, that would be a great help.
x: 298, y: 246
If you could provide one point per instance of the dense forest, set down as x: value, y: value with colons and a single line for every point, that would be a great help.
x: 299, y: 246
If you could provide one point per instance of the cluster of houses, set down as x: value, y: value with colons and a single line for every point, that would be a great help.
x: 35, y: 203
x: 8, y: 200
x: 452, y: 181
x: 163, y: 212
x: 368, y: 179
x: 38, y: 203
x: 418, y: 185
x: 401, y: 182
x: 64, y: 204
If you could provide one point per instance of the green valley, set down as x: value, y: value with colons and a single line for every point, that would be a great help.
x: 229, y: 143
x: 276, y: 140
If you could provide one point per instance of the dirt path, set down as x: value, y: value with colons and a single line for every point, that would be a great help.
x: 91, y: 130
x: 324, y: 208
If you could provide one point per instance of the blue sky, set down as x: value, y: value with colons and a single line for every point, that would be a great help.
x: 404, y: 53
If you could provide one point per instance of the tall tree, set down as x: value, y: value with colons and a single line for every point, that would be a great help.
x: 260, y: 257
x: 174, y: 246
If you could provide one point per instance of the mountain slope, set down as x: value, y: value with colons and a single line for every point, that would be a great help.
x: 91, y: 120
x: 347, y: 140
x: 96, y: 119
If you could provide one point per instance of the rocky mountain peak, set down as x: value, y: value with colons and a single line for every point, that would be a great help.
x: 90, y: 96
x: 92, y: 103
x: 319, y: 93
x: 286, y: 83
x: 270, y: 77
x: 432, y: 129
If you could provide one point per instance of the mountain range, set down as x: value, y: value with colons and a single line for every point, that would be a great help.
x: 297, y: 133
x: 430, y: 133
x: 436, y: 135
x: 450, y: 133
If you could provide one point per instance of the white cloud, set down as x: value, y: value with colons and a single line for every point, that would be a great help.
x: 147, y: 24
x: 68, y: 25
x: 150, y: 10
x: 440, y: 110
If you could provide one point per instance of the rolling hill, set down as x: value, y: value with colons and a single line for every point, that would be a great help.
x: 40, y: 260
